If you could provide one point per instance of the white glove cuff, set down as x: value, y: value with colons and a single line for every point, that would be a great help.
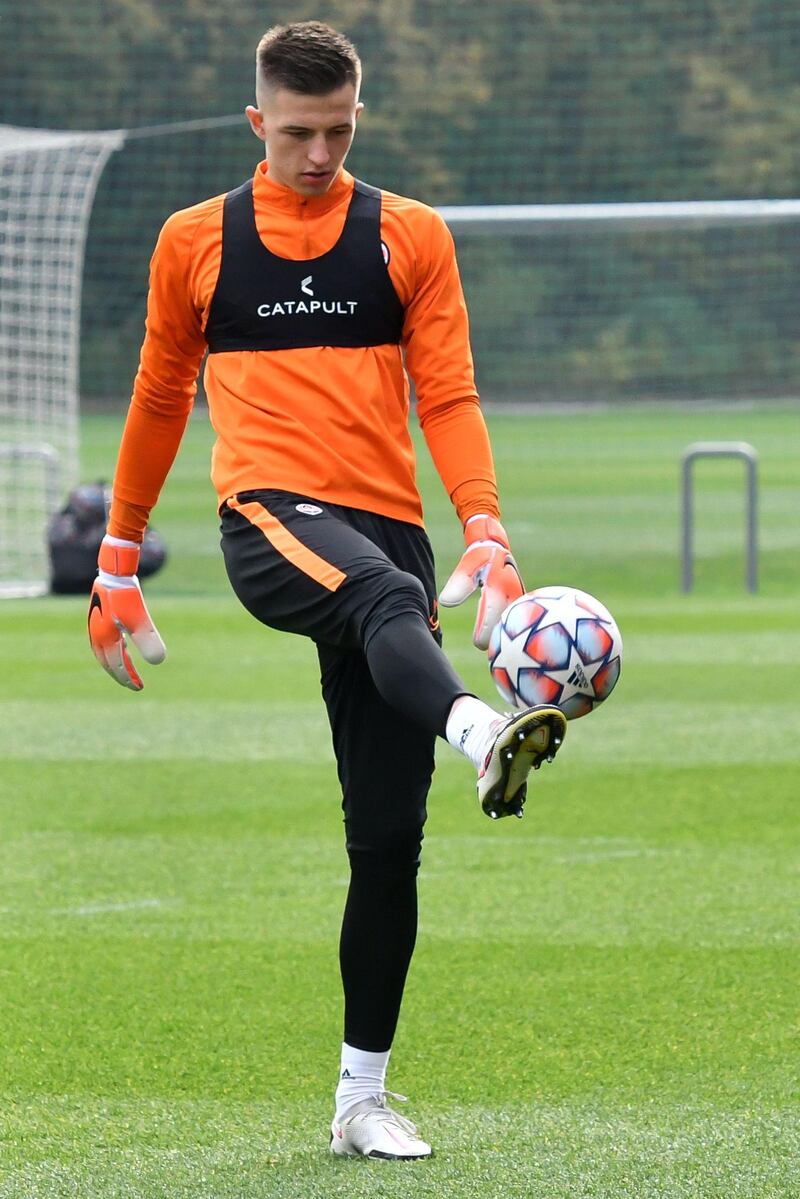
x: 115, y: 582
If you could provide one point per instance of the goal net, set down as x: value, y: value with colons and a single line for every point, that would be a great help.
x: 568, y: 302
x: 651, y: 301
x: 47, y: 182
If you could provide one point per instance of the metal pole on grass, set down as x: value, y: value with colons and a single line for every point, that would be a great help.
x: 719, y: 449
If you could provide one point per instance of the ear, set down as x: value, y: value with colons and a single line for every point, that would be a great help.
x: 256, y: 119
x: 359, y: 109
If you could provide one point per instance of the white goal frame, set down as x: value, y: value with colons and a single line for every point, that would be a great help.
x: 48, y: 180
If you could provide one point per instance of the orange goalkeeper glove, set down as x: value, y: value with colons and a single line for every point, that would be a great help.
x: 117, y: 607
x: 487, y: 563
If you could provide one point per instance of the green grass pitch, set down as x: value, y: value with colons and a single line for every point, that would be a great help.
x: 604, y: 999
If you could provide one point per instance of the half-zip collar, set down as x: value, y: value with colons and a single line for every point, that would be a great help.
x: 285, y: 199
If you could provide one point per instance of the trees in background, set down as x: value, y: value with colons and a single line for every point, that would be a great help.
x: 517, y: 101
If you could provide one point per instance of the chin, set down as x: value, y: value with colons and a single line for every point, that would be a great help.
x: 315, y: 187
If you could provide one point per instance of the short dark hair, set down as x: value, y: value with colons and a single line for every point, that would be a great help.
x: 307, y: 57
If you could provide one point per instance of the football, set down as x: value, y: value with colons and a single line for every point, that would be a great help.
x: 556, y: 645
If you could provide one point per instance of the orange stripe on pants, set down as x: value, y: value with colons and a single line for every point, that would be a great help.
x: 288, y: 546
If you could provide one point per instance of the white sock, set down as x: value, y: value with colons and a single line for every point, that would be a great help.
x: 362, y: 1075
x: 471, y: 728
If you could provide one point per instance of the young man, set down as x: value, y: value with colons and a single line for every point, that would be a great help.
x: 307, y: 288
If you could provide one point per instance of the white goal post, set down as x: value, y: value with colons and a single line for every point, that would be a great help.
x: 47, y: 184
x: 491, y: 219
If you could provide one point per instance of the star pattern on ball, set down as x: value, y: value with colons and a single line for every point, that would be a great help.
x: 562, y: 609
x: 576, y: 677
x: 511, y: 655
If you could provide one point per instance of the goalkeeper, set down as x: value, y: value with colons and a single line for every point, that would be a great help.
x: 307, y: 289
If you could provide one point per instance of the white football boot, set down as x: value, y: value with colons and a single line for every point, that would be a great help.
x: 523, y: 742
x: 371, y: 1129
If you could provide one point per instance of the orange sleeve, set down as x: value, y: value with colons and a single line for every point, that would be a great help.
x: 458, y: 441
x: 439, y: 360
x: 165, y: 385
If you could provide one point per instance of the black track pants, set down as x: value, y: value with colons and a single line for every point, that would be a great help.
x: 362, y: 587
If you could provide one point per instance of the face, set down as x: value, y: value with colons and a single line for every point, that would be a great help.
x: 306, y: 137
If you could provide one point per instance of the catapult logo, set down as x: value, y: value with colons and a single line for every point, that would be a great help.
x: 310, y: 307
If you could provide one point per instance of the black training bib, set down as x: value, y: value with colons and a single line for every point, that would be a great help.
x: 342, y: 298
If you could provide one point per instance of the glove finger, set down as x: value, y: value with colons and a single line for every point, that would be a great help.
x: 502, y: 575
x: 111, y: 667
x: 130, y: 614
x: 116, y: 674
x: 513, y: 585
x: 466, y: 577
x: 100, y: 654
x: 119, y: 665
x: 501, y: 586
x: 458, y: 587
x: 147, y: 640
x: 490, y: 609
x: 103, y: 636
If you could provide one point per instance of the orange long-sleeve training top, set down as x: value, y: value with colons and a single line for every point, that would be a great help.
x: 328, y: 422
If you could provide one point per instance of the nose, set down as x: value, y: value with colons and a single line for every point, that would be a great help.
x: 318, y: 152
